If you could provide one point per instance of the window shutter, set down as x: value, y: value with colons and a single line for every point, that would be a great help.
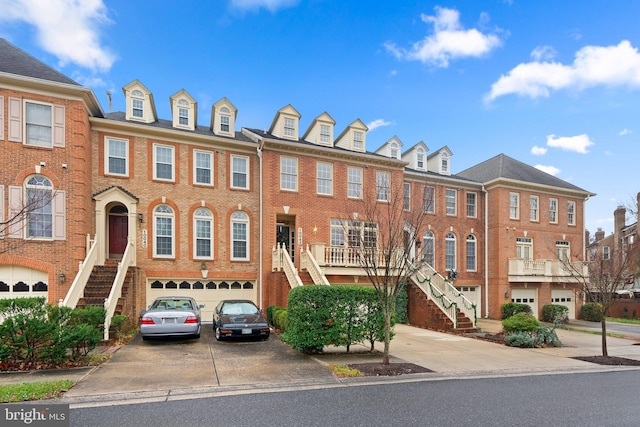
x: 15, y: 120
x: 16, y: 217
x: 1, y: 124
x: 2, y: 226
x: 58, y: 126
x: 59, y: 217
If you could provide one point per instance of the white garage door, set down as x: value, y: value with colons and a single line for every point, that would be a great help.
x: 209, y: 293
x: 526, y: 296
x: 472, y: 293
x: 19, y: 282
x: 565, y: 297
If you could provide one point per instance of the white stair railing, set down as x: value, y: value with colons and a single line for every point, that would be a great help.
x: 448, y: 307
x: 446, y: 287
x: 76, y: 290
x: 111, y: 301
x: 309, y: 263
x: 287, y: 266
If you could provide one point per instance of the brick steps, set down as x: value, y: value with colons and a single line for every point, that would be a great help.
x: 425, y: 313
x: 99, y: 286
x: 305, y: 277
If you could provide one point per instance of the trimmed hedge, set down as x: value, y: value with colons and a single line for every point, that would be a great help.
x: 277, y: 317
x: 555, y: 313
x: 591, y: 311
x: 520, y: 322
x: 318, y: 316
x: 511, y: 308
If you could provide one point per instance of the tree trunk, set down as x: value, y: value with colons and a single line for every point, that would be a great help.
x: 387, y: 335
x: 604, y: 337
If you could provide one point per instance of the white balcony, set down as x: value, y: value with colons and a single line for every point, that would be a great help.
x: 546, y: 270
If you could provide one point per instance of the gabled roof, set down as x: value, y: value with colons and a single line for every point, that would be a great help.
x: 419, y: 144
x: 440, y: 150
x: 287, y: 109
x: 356, y: 124
x: 16, y: 61
x: 504, y: 167
x: 325, y: 118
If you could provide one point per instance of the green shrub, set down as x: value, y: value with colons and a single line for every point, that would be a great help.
x: 546, y: 336
x: 280, y: 319
x: 519, y: 339
x: 119, y: 326
x: 402, y: 302
x: 591, y: 311
x: 555, y: 313
x: 269, y: 313
x: 511, y: 308
x: 520, y: 322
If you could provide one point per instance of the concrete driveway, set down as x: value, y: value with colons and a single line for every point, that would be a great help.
x: 170, y: 364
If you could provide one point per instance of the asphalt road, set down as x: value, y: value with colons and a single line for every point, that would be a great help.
x: 628, y: 330
x: 595, y: 399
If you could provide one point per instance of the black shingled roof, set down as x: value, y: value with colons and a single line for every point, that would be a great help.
x: 16, y: 61
x: 503, y: 166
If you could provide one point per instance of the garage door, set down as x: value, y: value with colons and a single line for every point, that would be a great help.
x: 209, y: 293
x: 18, y: 282
x: 526, y: 296
x: 565, y: 297
x: 472, y: 293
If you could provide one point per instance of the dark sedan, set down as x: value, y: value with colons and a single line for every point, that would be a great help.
x: 171, y: 316
x: 239, y: 318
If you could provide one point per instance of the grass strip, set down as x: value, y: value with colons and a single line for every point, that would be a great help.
x: 623, y: 320
x: 343, y: 371
x: 34, y: 391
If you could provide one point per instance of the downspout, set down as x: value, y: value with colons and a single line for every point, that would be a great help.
x: 486, y: 252
x: 259, y: 152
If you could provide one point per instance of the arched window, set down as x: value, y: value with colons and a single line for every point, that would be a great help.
x: 471, y: 253
x: 38, y: 206
x: 239, y: 236
x: 203, y: 233
x: 429, y: 251
x: 163, y: 229
x: 450, y: 251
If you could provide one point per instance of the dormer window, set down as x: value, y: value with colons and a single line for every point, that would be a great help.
x: 445, y: 164
x: 137, y: 104
x: 223, y: 116
x: 224, y: 119
x: 394, y: 151
x: 289, y: 127
x: 325, y: 134
x: 357, y: 140
x: 420, y: 159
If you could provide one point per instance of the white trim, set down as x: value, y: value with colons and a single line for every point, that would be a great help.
x: 195, y: 219
x: 173, y: 162
x: 246, y: 173
x: 108, y: 139
x: 195, y: 167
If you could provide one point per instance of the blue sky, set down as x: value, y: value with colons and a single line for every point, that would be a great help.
x: 555, y: 84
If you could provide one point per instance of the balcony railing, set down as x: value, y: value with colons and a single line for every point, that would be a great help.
x: 546, y: 270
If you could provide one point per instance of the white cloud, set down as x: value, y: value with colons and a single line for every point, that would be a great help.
x: 625, y: 131
x: 551, y: 170
x: 593, y: 66
x: 271, y: 5
x: 378, y: 123
x: 578, y: 143
x: 538, y: 151
x: 67, y: 29
x: 448, y: 41
x: 543, y: 53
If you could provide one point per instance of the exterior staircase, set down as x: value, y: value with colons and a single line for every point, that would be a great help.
x: 99, y: 286
x: 425, y: 313
x: 305, y: 277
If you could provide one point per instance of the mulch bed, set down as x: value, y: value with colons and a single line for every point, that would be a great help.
x: 390, y: 370
x: 610, y: 361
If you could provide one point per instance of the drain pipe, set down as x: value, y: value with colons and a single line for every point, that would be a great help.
x: 486, y: 252
x: 259, y: 152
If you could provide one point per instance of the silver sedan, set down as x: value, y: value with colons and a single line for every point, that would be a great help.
x: 171, y: 316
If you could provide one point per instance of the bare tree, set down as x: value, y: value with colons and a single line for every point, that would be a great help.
x: 381, y: 238
x: 30, y: 214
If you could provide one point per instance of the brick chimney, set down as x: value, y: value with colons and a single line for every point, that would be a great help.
x: 618, y: 219
x: 599, y: 234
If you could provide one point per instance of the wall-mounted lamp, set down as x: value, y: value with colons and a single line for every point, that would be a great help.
x: 61, y: 277
x: 140, y: 218
x: 355, y: 215
x: 204, y: 271
x: 315, y: 230
x: 506, y: 294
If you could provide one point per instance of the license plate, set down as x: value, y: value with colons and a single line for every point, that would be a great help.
x: 246, y: 331
x: 169, y: 320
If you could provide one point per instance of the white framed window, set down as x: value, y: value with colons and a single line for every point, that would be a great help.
x: 606, y: 252
x: 450, y: 251
x: 38, y: 122
x: 163, y: 162
x: 524, y: 248
x: 354, y: 182
x: 471, y: 253
x: 429, y: 199
x: 163, y: 232
x: 406, y: 201
x: 239, y: 236
x: 429, y: 251
x: 289, y: 173
x: 289, y: 126
x: 203, y: 234
x: 203, y: 167
x: 553, y: 211
x: 325, y: 134
x: 563, y: 252
x: 239, y: 172
x: 224, y: 123
x: 450, y: 199
x: 445, y: 163
x: 324, y: 178
x: 337, y: 233
x: 383, y: 181
x: 533, y: 208
x: 137, y: 104
x: 571, y: 213
x: 514, y: 205
x: 39, y: 207
x: 393, y: 151
x: 358, y: 141
x: 420, y: 159
x: 183, y: 116
x: 472, y: 205
x: 116, y: 156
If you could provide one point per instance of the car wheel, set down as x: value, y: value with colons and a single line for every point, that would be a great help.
x: 218, y: 336
x: 145, y: 338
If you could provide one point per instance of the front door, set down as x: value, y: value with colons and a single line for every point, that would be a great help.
x: 285, y: 236
x: 118, y: 235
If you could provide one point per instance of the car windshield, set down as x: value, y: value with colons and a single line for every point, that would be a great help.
x: 239, y: 308
x: 171, y: 304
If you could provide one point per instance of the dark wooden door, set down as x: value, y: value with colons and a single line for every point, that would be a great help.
x: 118, y: 234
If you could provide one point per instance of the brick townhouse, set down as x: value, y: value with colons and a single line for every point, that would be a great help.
x: 216, y: 213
